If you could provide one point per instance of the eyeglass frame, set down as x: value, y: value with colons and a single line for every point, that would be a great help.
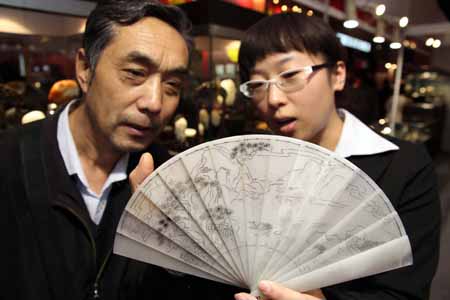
x: 308, y: 70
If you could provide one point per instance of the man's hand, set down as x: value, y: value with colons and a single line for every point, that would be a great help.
x: 274, y: 291
x: 142, y: 170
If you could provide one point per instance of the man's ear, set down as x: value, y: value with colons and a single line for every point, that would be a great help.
x: 83, y: 70
x: 339, y: 75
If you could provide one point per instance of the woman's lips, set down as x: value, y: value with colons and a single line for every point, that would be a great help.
x: 287, y: 126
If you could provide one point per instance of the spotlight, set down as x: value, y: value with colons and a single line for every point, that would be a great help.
x: 396, y: 42
x: 379, y: 32
x: 380, y: 9
x: 437, y: 43
x: 403, y: 22
x: 350, y: 11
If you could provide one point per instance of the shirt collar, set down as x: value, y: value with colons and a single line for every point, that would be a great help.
x: 358, y: 139
x: 70, y: 156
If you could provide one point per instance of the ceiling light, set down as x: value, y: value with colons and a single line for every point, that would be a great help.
x: 350, y: 11
x: 378, y: 39
x: 429, y: 42
x: 379, y: 32
x: 396, y: 42
x: 437, y: 43
x: 395, y: 45
x: 403, y: 22
x: 284, y: 7
x: 380, y: 9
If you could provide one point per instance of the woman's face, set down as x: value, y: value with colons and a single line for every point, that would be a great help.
x: 309, y: 113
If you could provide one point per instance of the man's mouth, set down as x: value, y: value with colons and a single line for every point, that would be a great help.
x: 138, y: 130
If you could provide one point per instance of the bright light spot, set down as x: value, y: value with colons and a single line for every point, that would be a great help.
x: 436, y: 43
x: 429, y: 42
x: 350, y: 24
x: 406, y: 43
x: 380, y: 9
x: 388, y: 65
x: 309, y: 13
x: 403, y: 22
x: 276, y: 1
x: 378, y: 39
x: 284, y: 8
x: 382, y: 121
x: 297, y: 9
x: 394, y: 66
x: 232, y: 50
x: 37, y: 85
x: 422, y: 90
x: 190, y: 132
x: 386, y: 130
x: 395, y: 45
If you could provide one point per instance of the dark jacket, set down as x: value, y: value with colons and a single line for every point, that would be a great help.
x: 407, y: 177
x: 52, y: 249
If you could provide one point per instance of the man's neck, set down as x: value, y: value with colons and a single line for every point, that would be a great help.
x: 97, y: 156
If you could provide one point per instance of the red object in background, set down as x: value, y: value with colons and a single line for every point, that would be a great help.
x: 63, y: 91
x: 205, y: 64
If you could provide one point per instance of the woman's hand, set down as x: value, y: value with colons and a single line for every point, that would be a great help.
x: 274, y: 291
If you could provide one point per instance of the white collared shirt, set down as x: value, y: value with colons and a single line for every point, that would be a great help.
x: 358, y: 139
x: 95, y: 203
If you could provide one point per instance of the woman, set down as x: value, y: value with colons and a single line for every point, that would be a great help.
x: 291, y: 67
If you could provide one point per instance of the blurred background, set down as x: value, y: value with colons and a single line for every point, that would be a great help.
x: 398, y: 81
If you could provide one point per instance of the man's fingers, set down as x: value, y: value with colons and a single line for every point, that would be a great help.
x: 143, y: 169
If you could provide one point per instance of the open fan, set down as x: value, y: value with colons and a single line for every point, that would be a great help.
x: 252, y: 207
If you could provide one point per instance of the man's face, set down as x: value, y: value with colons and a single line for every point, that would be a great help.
x: 136, y: 85
x: 307, y: 114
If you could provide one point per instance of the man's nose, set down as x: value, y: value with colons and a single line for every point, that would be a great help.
x: 275, y: 96
x: 151, y: 99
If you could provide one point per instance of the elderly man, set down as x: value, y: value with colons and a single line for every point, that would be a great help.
x: 64, y: 181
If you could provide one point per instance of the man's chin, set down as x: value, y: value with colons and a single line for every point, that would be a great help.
x: 132, y: 146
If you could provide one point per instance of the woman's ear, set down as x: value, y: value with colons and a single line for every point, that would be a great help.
x: 339, y: 75
x: 83, y: 70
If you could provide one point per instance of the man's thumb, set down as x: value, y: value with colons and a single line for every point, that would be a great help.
x: 143, y: 169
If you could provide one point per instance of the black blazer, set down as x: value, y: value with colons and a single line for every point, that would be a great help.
x: 52, y: 250
x: 408, y: 179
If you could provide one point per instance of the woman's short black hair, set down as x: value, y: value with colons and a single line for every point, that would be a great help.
x: 110, y: 13
x: 287, y: 32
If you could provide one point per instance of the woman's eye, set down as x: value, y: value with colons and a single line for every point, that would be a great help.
x: 290, y: 74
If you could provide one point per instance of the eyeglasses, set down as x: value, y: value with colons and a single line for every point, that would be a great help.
x: 288, y: 81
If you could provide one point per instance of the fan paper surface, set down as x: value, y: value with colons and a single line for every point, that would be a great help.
x: 246, y: 208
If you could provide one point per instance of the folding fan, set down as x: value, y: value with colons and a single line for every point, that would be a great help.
x: 252, y: 207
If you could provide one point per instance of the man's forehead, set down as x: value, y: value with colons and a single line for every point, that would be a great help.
x: 149, y: 39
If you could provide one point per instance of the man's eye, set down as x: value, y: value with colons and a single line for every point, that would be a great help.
x: 173, y: 88
x: 135, y: 73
